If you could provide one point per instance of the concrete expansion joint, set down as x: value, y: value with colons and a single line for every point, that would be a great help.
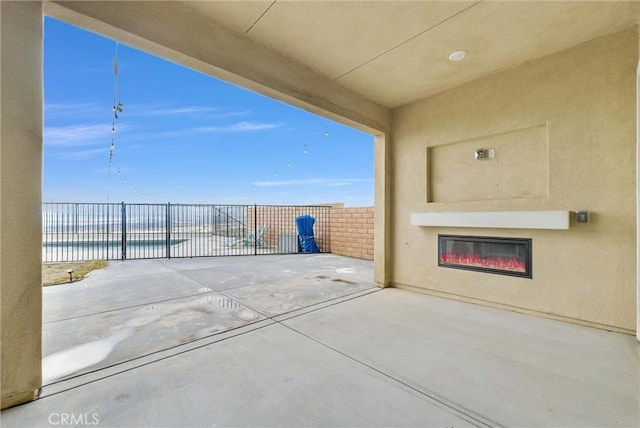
x: 141, y: 305
x: 131, y: 364
x: 430, y: 396
x: 434, y: 398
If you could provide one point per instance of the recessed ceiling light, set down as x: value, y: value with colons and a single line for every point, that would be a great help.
x: 457, y: 55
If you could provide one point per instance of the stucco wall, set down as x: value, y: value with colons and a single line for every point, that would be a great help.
x: 564, y: 131
x: 20, y: 187
x: 352, y: 231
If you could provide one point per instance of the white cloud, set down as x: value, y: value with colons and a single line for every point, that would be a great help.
x: 241, y: 127
x: 313, y: 181
x: 185, y: 134
x: 78, y: 135
x: 61, y: 111
x: 208, y: 111
x: 228, y: 114
x: 177, y: 110
x: 83, y: 154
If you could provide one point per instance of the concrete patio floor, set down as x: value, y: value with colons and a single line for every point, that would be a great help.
x: 308, y: 341
x: 138, y: 307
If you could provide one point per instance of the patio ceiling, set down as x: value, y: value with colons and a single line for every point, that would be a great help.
x: 351, y: 61
x: 396, y: 52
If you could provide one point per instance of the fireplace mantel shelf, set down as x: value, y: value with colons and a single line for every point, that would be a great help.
x: 494, y: 219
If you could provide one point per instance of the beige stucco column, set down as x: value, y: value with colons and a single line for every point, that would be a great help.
x: 382, y: 211
x: 638, y: 198
x: 21, y: 199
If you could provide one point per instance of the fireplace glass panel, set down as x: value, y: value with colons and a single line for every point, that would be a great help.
x: 506, y: 256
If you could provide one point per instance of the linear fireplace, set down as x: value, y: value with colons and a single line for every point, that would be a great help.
x: 504, y: 256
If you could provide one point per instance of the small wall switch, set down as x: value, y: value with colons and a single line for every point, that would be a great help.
x: 491, y: 153
x: 480, y: 154
x: 582, y: 216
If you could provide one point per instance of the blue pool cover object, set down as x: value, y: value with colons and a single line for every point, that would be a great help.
x: 304, y: 224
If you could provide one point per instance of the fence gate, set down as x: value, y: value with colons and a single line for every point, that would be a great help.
x: 146, y: 232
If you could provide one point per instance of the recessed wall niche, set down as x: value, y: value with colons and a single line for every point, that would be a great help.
x: 519, y: 168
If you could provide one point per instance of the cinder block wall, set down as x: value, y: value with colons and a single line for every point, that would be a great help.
x: 352, y: 231
x: 282, y: 220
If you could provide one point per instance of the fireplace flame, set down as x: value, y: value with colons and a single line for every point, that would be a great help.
x: 511, y: 264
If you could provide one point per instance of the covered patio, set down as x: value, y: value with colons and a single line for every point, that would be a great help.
x: 310, y: 341
x: 548, y: 91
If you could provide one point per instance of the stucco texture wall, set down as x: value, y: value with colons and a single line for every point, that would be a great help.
x: 20, y: 187
x: 564, y: 130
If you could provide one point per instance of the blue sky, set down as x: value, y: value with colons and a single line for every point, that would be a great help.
x: 184, y: 137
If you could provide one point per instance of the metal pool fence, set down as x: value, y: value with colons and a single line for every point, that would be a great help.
x: 120, y: 231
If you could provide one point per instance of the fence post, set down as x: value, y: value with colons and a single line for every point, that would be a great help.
x: 168, y: 229
x: 255, y: 229
x: 76, y: 220
x: 123, y: 228
x: 108, y: 230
